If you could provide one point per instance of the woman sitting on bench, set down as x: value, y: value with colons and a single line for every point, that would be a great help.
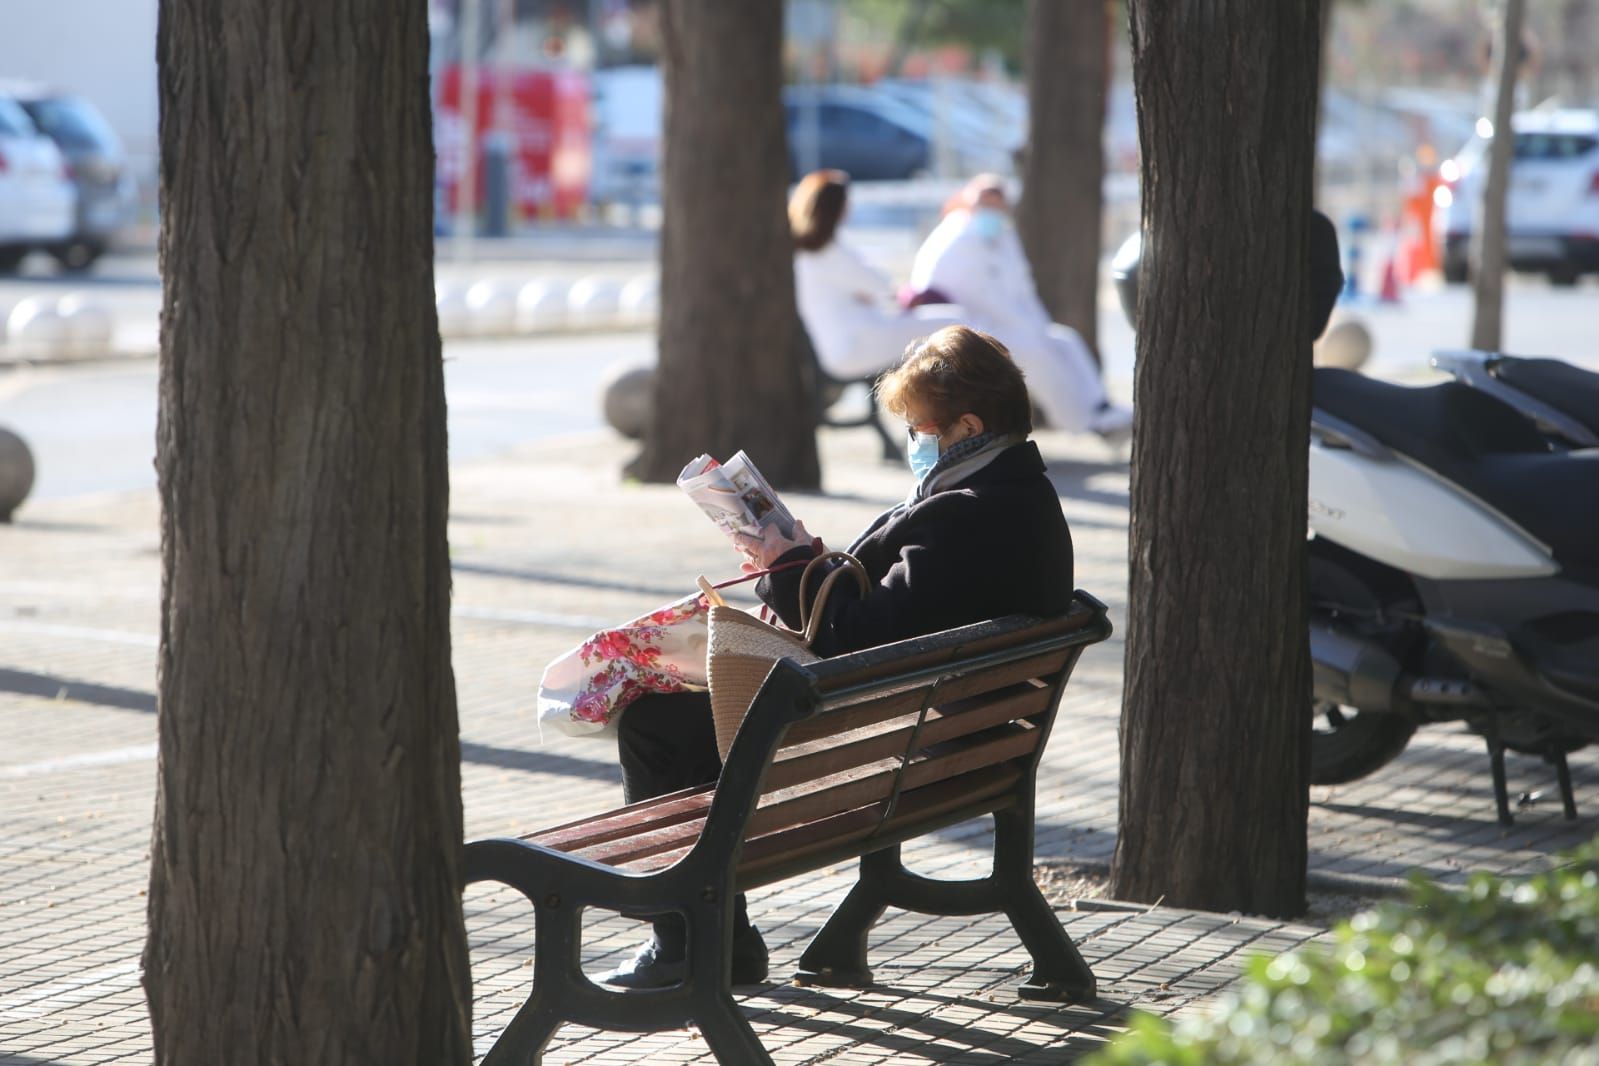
x: 847, y: 305
x: 980, y: 536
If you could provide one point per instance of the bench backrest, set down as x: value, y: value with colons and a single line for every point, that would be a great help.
x: 924, y: 731
x: 864, y: 750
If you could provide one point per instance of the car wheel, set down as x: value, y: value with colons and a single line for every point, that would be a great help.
x: 1564, y: 277
x: 76, y: 256
x: 11, y: 259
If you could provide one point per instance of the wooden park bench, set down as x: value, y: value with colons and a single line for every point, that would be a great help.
x: 849, y: 757
x: 828, y: 390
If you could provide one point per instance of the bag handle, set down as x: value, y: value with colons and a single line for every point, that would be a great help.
x: 708, y: 590
x: 713, y: 595
x: 812, y: 611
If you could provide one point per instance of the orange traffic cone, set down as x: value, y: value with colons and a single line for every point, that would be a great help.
x: 1389, y: 293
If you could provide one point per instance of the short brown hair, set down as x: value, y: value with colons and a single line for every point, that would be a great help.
x: 816, y: 208
x: 956, y: 371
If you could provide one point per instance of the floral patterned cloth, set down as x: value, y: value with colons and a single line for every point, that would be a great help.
x: 583, y: 692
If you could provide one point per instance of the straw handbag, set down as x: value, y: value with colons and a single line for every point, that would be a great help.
x: 743, y: 648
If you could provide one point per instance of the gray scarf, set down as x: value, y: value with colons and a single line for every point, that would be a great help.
x: 960, y: 461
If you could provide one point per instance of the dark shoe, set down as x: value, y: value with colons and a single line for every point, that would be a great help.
x: 649, y: 969
x: 749, y: 957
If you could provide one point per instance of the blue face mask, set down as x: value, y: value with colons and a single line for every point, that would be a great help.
x: 922, y: 453
x: 988, y: 223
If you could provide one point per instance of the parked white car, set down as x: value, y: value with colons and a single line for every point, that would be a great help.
x: 1552, y: 215
x: 37, y: 197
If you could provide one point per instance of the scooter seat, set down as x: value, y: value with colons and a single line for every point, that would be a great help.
x: 1483, y: 445
x: 1560, y: 385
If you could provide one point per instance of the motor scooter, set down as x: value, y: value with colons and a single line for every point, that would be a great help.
x: 1454, y: 564
x: 1561, y: 399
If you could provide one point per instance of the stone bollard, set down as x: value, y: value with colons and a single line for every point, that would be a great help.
x: 594, y: 303
x: 1347, y: 344
x: 16, y: 473
x: 86, y: 323
x: 640, y: 300
x: 627, y: 397
x: 491, y: 308
x: 455, y: 320
x: 541, y: 307
x: 35, y: 329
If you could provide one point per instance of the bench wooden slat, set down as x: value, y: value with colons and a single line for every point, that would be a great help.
x: 852, y: 826
x: 829, y: 723
x: 818, y: 758
x: 875, y: 781
x: 869, y: 788
x: 944, y: 724
x: 889, y: 659
x: 662, y: 810
x: 913, y: 806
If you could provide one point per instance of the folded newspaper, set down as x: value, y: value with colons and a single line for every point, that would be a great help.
x: 735, y: 495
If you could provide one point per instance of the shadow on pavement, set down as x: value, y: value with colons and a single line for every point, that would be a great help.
x: 44, y: 526
x: 1078, y: 1028
x: 60, y: 688
x: 550, y: 577
x: 542, y: 762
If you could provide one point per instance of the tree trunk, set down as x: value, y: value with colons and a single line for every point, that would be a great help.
x: 732, y: 367
x: 1060, y: 214
x: 305, y: 890
x: 1216, y: 715
x: 1488, y: 237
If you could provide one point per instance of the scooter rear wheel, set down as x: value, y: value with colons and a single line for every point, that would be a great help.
x: 1347, y: 744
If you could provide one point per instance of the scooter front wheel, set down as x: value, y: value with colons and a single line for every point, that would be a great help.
x: 1347, y: 744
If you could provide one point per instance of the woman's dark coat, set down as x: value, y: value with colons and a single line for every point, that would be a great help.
x: 992, y: 545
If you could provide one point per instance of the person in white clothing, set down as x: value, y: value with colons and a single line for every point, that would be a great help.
x: 847, y: 304
x: 974, y: 258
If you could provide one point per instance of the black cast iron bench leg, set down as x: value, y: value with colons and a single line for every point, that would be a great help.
x: 556, y: 950
x: 837, y: 955
x: 562, y: 993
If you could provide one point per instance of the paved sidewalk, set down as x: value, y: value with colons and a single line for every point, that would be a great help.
x: 546, y: 544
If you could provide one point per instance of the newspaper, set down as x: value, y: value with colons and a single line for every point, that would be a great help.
x: 735, y: 495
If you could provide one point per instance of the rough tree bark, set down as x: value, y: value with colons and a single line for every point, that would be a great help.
x: 732, y: 369
x: 305, y: 900
x: 1215, y: 723
x: 1489, y: 258
x: 1060, y: 216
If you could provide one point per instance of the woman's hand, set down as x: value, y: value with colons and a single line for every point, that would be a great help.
x: 761, y: 552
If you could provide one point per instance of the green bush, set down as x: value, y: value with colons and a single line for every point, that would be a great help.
x: 1505, y: 972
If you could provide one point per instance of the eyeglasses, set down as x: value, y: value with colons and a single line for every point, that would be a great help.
x: 913, y: 428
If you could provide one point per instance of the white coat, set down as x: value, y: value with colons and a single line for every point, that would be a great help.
x: 848, y: 309
x: 992, y: 281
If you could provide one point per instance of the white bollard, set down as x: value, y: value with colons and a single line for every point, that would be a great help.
x: 87, y: 325
x: 541, y: 307
x: 641, y: 300
x: 595, y: 303
x: 455, y: 319
x: 491, y: 306
x: 35, y: 330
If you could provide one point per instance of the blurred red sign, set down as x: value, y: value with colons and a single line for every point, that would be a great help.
x: 546, y: 116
